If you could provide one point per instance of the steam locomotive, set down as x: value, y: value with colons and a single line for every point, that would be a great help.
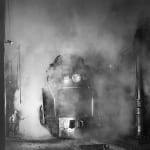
x: 68, y: 98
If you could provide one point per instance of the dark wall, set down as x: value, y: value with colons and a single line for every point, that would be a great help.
x: 2, y: 31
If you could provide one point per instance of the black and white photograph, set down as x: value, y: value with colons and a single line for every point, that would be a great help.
x: 74, y: 75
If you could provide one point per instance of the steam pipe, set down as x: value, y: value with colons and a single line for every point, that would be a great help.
x: 5, y: 92
x: 139, y: 99
x: 19, y: 71
x: 92, y: 104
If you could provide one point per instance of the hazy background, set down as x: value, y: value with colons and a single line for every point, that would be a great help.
x: 101, y: 31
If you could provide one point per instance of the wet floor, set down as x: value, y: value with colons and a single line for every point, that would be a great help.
x: 61, y: 144
x: 53, y: 144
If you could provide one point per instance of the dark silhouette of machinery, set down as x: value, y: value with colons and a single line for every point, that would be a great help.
x: 68, y: 97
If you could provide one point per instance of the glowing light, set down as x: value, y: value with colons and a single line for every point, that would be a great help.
x: 76, y: 78
x: 30, y: 125
x: 110, y: 66
x: 67, y: 79
x: 64, y: 127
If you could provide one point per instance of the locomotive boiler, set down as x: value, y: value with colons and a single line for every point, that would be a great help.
x: 68, y: 97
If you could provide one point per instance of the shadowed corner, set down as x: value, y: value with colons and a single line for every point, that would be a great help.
x: 2, y: 102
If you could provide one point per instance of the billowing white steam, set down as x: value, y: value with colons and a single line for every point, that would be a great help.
x: 32, y: 82
x: 45, y: 29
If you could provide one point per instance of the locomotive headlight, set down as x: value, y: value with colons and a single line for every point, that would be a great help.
x: 76, y: 77
x: 66, y: 79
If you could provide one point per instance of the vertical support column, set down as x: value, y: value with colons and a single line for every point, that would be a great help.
x: 19, y: 65
x: 139, y: 99
x: 2, y: 100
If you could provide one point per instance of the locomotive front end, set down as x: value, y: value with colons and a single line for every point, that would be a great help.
x: 68, y: 99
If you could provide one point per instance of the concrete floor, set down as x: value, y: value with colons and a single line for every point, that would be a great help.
x: 59, y: 144
x: 53, y: 144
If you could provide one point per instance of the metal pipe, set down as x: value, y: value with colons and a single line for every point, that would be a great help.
x: 139, y: 99
x: 92, y: 106
x: 5, y: 107
x: 19, y: 72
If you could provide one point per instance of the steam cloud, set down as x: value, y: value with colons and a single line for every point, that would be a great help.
x: 96, y: 30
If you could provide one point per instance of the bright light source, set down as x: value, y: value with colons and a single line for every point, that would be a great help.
x: 110, y: 66
x: 64, y: 124
x: 66, y: 79
x: 76, y: 78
